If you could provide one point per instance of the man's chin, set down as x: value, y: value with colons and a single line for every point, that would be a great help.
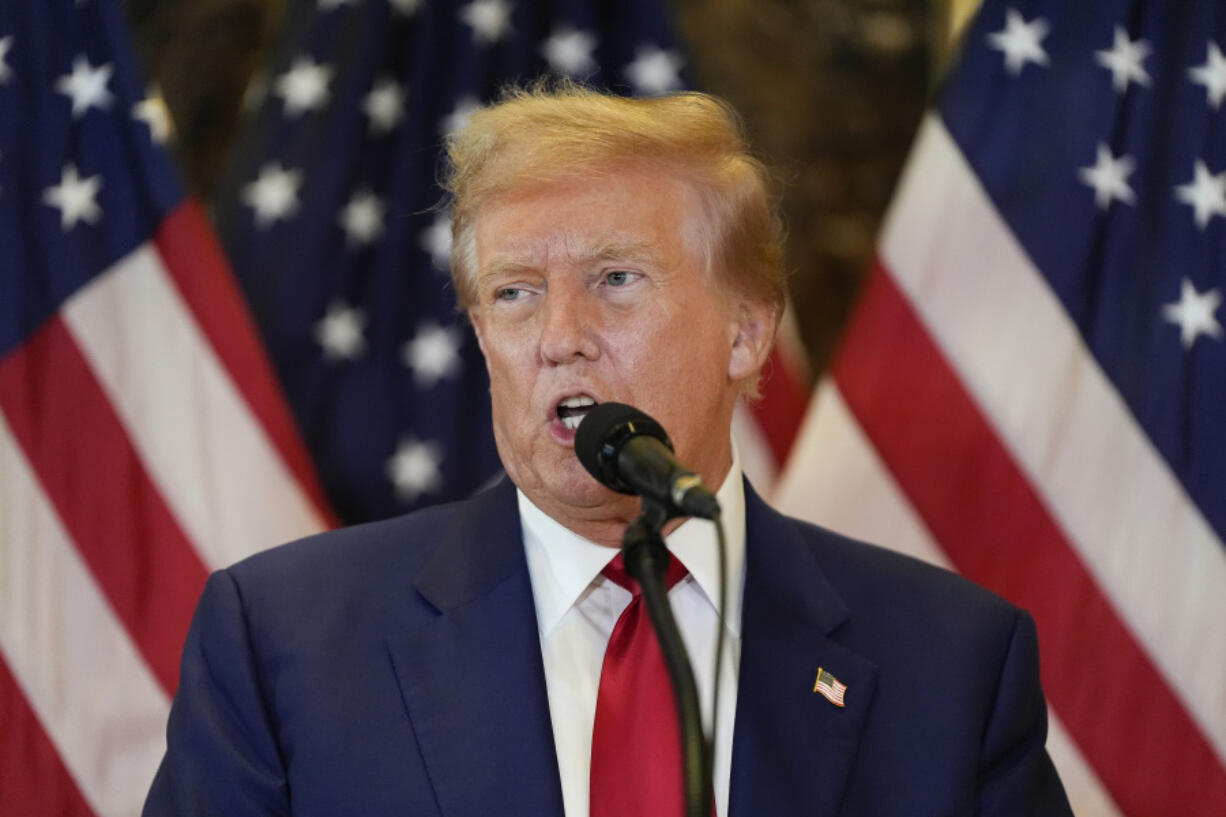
x: 584, y: 499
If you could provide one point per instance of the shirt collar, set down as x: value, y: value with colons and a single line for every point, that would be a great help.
x: 563, y: 564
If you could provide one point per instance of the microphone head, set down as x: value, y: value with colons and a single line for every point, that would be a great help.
x: 603, y: 432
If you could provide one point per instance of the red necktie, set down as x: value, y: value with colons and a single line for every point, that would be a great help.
x: 636, y: 739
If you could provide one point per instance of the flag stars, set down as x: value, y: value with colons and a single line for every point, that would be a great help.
x: 304, y: 87
x: 1206, y: 193
x: 1109, y: 178
x: 76, y: 198
x: 465, y: 107
x: 362, y: 218
x: 153, y: 112
x: 432, y: 354
x: 6, y: 44
x: 1021, y: 41
x: 414, y: 468
x: 654, y: 71
x: 569, y: 51
x: 340, y: 332
x: 86, y: 86
x: 274, y: 194
x: 384, y: 105
x: 490, y: 20
x: 1212, y: 75
x: 1194, y: 313
x: 1124, y: 60
x: 436, y: 240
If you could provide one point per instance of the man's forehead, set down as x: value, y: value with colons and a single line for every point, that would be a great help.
x: 518, y: 252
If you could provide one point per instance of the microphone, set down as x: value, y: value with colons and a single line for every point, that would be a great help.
x: 628, y: 452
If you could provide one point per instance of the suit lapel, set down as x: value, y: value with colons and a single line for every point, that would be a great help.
x: 475, y: 693
x: 472, y: 678
x: 792, y: 748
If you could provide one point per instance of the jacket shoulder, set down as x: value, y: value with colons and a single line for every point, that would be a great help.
x: 362, y: 567
x: 374, y: 546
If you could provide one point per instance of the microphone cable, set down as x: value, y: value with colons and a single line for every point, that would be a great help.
x: 721, y: 637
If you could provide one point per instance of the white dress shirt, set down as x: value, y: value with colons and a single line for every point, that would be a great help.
x: 576, y: 609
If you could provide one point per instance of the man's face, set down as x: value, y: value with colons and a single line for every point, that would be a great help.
x: 590, y: 291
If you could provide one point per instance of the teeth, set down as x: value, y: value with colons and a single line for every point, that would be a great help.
x: 572, y: 410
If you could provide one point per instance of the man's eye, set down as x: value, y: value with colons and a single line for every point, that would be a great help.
x: 508, y: 294
x: 618, y: 278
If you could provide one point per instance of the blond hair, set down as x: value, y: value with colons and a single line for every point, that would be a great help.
x: 554, y: 132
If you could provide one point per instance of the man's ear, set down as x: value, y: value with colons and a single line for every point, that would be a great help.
x: 755, y: 323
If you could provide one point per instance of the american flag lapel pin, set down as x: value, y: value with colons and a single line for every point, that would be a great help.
x: 829, y: 687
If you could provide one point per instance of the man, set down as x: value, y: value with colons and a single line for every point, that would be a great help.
x: 449, y: 662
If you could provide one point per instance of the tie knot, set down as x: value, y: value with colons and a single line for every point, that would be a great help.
x: 616, y: 571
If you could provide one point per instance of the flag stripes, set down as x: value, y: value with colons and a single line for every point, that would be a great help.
x: 135, y: 445
x: 143, y: 439
x: 183, y: 414
x: 996, y: 531
x: 851, y: 475
x: 1011, y: 457
x: 70, y: 655
x: 32, y: 774
x: 192, y: 256
x: 1022, y: 359
x: 781, y: 408
x: 79, y: 437
x: 78, y: 448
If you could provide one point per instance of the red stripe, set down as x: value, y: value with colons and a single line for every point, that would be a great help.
x: 114, y: 514
x: 33, y: 780
x: 978, y: 504
x: 195, y: 262
x: 782, y: 408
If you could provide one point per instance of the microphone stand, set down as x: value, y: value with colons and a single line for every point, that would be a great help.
x: 646, y: 560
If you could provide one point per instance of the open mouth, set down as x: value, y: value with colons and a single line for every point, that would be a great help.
x: 572, y: 410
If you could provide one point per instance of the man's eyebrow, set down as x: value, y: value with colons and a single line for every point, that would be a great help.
x: 500, y: 268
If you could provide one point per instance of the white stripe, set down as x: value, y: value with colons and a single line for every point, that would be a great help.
x: 1014, y: 347
x: 791, y: 347
x: 222, y: 478
x: 757, y: 460
x: 835, y: 478
x: 95, y: 696
x: 1086, y: 793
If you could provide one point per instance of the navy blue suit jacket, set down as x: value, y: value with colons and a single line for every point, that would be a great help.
x: 394, y: 669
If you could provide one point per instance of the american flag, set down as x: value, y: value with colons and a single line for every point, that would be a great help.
x: 143, y: 441
x: 829, y: 687
x: 143, y: 437
x: 332, y: 218
x: 1033, y: 388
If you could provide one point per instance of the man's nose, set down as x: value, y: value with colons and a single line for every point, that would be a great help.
x: 568, y: 327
